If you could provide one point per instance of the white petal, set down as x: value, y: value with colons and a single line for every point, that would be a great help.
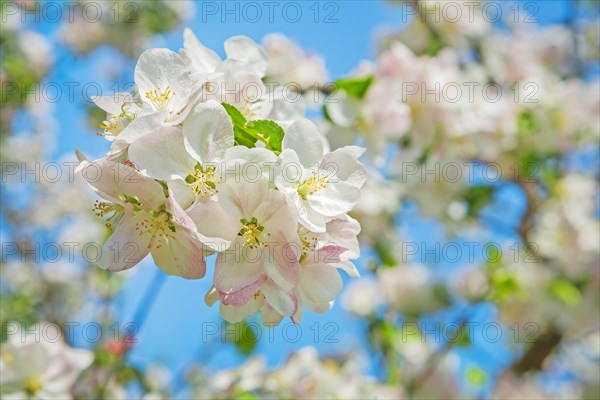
x: 208, y: 132
x: 349, y: 267
x: 162, y: 154
x: 277, y: 298
x: 112, y: 104
x: 304, y: 138
x: 337, y: 198
x: 136, y: 129
x: 245, y: 49
x: 201, y: 58
x: 269, y: 316
x: 159, y: 69
x: 343, y: 109
x: 233, y: 314
x: 213, y: 221
x: 344, y: 163
x: 321, y: 283
x: 183, y: 193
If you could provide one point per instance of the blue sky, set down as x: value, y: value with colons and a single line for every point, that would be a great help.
x: 173, y: 330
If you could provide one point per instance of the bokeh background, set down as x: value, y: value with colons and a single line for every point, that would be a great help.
x: 524, y: 303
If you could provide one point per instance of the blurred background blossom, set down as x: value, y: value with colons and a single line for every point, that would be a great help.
x: 513, y: 315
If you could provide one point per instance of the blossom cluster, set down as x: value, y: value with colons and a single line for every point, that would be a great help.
x: 202, y: 162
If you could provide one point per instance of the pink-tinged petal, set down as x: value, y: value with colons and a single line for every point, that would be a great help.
x: 112, y: 179
x: 233, y: 314
x: 208, y: 132
x: 125, y: 247
x: 235, y: 272
x: 244, y: 295
x: 298, y: 311
x: 320, y: 284
x: 343, y: 231
x: 181, y: 254
x: 281, y: 301
x: 344, y: 162
x: 161, y: 154
x: 277, y: 216
x: 183, y: 221
x: 329, y: 254
x: 243, y: 195
x: 212, y: 296
x: 281, y: 263
x: 270, y: 317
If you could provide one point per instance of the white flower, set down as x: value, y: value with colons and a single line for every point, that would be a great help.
x: 204, y: 62
x: 165, y: 94
x: 33, y: 366
x: 144, y: 221
x: 188, y: 160
x: 318, y: 185
x: 264, y: 245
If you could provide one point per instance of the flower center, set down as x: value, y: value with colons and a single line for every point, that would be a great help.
x: 312, y: 185
x: 32, y: 386
x: 115, y: 124
x: 158, y: 225
x: 257, y: 295
x: 160, y: 101
x: 251, y: 232
x: 203, y: 182
x: 308, y: 246
x: 111, y: 211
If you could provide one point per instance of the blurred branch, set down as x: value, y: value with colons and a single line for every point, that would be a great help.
x: 534, y: 357
x: 432, y: 362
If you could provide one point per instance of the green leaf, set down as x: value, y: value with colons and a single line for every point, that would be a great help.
x: 269, y: 132
x: 476, y: 376
x: 505, y: 285
x: 247, y: 133
x: 566, y: 292
x: 355, y: 87
x: 462, y: 337
x: 477, y: 197
x: 237, y: 117
x: 241, y: 136
x: 245, y: 339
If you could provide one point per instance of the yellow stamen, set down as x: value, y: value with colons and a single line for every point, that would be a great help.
x: 32, y: 386
x: 111, y: 211
x: 251, y: 233
x: 312, y: 185
x: 203, y: 182
x: 159, y: 228
x: 160, y: 100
